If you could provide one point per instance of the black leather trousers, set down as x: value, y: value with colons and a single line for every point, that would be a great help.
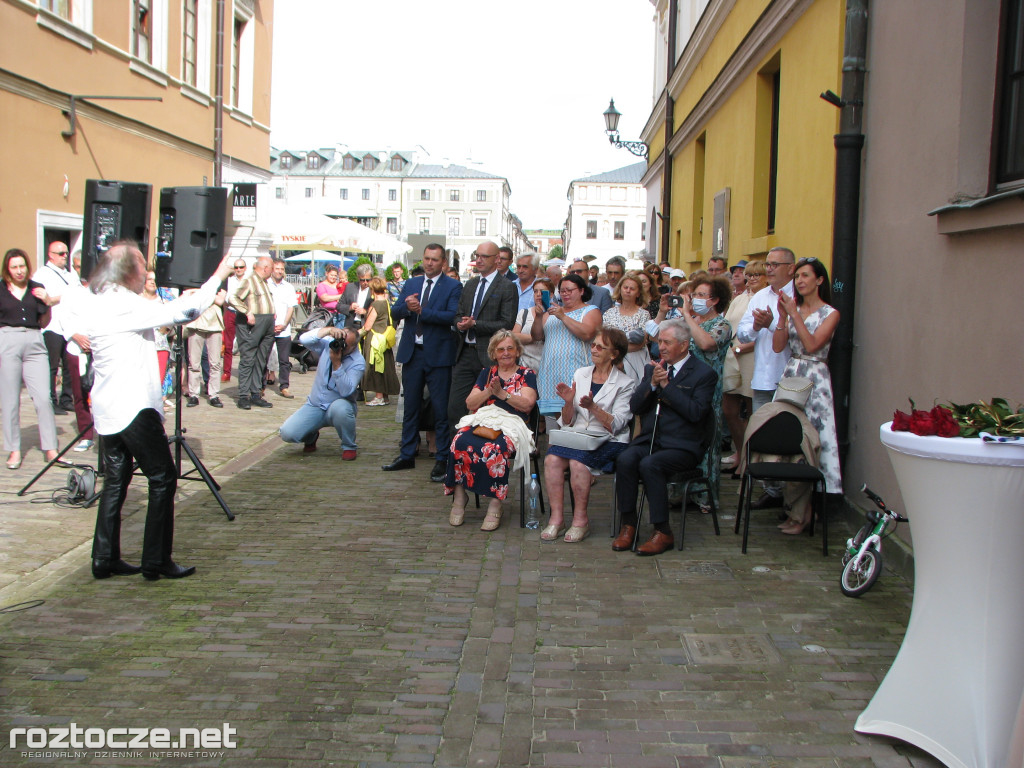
x: 144, y: 441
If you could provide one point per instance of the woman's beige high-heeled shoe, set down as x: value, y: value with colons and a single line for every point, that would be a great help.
x: 493, y: 517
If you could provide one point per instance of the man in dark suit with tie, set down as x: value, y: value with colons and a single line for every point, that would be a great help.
x: 673, y: 401
x: 489, y: 303
x: 426, y: 352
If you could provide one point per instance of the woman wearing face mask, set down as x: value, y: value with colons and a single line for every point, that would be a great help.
x: 704, y: 312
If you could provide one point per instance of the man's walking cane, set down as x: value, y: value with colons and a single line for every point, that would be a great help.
x: 643, y: 493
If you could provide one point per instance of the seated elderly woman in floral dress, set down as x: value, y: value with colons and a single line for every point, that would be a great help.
x: 493, y: 439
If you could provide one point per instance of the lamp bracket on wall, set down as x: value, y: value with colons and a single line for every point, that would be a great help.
x: 72, y: 116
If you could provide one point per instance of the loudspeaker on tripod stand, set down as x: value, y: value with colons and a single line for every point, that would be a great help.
x: 191, y: 236
x: 114, y: 210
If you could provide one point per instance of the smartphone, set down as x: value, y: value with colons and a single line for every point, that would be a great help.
x: 545, y: 299
x: 675, y: 301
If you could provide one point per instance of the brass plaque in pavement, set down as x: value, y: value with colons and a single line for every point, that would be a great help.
x: 693, y: 569
x: 752, y: 650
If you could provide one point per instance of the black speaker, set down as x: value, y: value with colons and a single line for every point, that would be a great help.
x: 191, y: 237
x: 114, y: 210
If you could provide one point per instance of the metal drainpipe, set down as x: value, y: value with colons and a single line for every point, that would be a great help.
x: 218, y: 98
x: 846, y: 215
x: 666, y: 171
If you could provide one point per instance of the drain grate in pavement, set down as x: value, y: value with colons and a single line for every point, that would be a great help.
x: 689, y: 570
x: 731, y: 649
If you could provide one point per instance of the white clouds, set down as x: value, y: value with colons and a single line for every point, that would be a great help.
x: 517, y: 86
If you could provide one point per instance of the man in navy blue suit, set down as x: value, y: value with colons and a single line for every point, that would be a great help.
x: 427, y: 353
x: 673, y: 402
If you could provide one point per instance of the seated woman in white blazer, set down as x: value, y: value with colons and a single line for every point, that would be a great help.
x: 597, y: 402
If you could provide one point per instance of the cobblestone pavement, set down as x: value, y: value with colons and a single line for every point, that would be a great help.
x: 340, y: 620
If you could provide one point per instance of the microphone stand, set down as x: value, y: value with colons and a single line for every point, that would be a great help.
x: 178, y: 438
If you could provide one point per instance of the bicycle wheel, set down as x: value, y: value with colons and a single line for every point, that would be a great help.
x: 856, y: 581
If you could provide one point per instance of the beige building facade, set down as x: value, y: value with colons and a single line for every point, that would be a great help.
x: 942, y: 220
x: 59, y: 56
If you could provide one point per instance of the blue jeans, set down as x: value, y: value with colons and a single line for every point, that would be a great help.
x: 303, y: 425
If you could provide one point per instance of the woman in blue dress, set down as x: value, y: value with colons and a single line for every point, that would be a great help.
x: 566, y: 331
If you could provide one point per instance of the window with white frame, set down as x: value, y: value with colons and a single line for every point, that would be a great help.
x: 366, y: 193
x: 285, y: 161
x: 454, y: 226
x: 620, y: 230
x: 190, y: 41
x: 453, y: 195
x: 480, y: 227
x: 242, y: 59
x: 279, y: 193
x: 424, y: 194
x: 392, y: 194
x: 343, y: 193
x: 312, y: 161
x: 392, y: 225
x: 396, y: 163
x: 592, y: 230
x: 142, y: 30
x: 481, y: 195
x: 310, y: 191
x: 77, y: 12
x: 424, y: 225
x: 369, y: 162
x: 349, y: 163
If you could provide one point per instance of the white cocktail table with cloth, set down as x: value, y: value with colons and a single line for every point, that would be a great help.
x: 955, y: 688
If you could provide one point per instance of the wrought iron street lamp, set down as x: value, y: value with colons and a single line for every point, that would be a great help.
x: 611, y: 127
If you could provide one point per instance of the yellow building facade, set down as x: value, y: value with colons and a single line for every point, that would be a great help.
x: 54, y: 50
x: 750, y: 142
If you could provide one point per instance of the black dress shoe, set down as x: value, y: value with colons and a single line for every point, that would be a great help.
x: 216, y: 403
x: 104, y: 569
x: 192, y: 402
x: 243, y: 403
x: 170, y: 571
x: 439, y: 471
x: 398, y: 464
x: 767, y: 502
x: 261, y: 402
x: 59, y: 410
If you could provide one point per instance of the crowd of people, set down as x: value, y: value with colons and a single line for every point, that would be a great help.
x: 655, y: 368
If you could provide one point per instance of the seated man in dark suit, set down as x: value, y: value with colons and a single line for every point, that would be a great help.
x: 427, y: 304
x: 673, y: 401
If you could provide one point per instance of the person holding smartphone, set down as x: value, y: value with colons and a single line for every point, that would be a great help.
x: 543, y: 290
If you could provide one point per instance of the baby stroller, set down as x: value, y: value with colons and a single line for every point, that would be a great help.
x: 306, y: 359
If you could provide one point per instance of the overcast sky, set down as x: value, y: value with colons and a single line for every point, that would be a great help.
x: 518, y: 88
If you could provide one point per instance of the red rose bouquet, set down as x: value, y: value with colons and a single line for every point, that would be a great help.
x: 969, y: 420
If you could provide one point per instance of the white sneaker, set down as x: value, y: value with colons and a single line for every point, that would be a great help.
x: 85, y: 445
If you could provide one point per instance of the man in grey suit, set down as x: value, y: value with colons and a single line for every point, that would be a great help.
x: 600, y: 296
x: 488, y: 303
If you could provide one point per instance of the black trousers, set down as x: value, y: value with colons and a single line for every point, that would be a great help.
x: 144, y: 441
x: 254, y: 343
x: 55, y: 347
x: 415, y: 374
x: 655, y: 468
x: 464, y: 375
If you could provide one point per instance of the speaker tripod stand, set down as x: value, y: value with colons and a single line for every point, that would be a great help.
x: 177, y: 439
x: 57, y: 460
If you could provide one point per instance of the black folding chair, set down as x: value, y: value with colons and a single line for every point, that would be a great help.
x: 781, y: 435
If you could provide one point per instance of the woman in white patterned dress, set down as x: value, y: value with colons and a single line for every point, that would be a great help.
x: 810, y: 324
x: 630, y: 316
